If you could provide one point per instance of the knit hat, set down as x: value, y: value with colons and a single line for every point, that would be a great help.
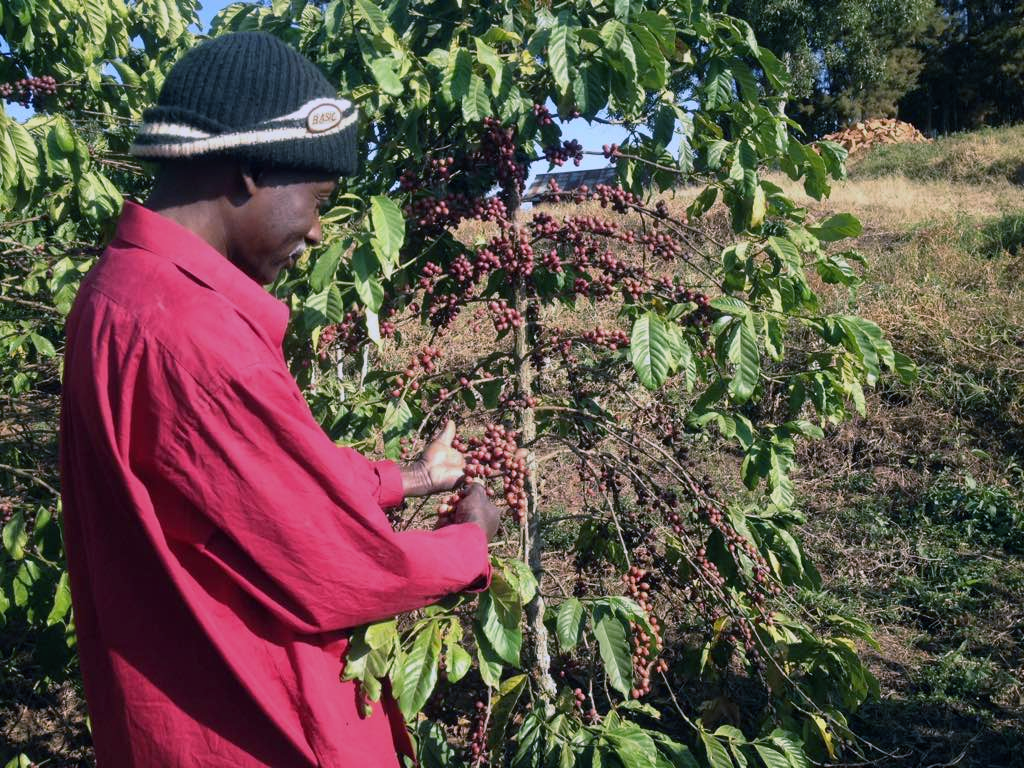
x: 250, y: 96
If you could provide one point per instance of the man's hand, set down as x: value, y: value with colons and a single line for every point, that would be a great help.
x: 475, y: 507
x: 439, y: 469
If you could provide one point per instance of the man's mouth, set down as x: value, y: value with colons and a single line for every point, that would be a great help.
x: 293, y: 257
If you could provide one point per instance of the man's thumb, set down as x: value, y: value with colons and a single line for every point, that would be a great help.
x: 448, y: 434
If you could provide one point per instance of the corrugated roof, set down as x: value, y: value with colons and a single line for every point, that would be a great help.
x: 570, y: 180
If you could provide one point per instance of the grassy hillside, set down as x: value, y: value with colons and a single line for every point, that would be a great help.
x: 923, y: 531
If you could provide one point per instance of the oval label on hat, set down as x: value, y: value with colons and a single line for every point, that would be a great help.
x: 323, y: 117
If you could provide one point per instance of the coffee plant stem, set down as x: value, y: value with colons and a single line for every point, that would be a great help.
x: 30, y: 476
x: 32, y: 304
x: 531, y: 527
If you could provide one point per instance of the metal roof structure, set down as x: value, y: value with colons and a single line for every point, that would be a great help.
x: 570, y: 180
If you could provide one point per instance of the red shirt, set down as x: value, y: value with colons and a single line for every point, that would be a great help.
x: 219, y: 543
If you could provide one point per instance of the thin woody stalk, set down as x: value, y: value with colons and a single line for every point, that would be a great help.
x: 539, y: 656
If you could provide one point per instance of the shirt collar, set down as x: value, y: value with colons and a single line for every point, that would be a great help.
x: 163, y: 237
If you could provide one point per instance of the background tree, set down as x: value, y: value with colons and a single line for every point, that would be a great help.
x: 847, y: 60
x: 973, y: 71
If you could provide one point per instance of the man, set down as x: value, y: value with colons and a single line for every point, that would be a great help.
x: 219, y: 544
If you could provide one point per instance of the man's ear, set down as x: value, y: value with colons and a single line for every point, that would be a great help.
x: 246, y: 182
x: 250, y: 177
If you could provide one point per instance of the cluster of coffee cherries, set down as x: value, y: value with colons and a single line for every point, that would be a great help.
x: 639, y: 589
x: 495, y: 454
x: 570, y: 149
x: 436, y: 169
x: 572, y: 229
x: 617, y: 198
x: 610, y: 151
x: 478, y: 734
x: 543, y: 115
x: 579, y: 700
x: 738, y: 545
x: 604, y: 338
x: 662, y: 245
x: 498, y: 152
x: 503, y: 316
x: 516, y: 401
x: 6, y: 511
x: 349, y: 334
x: 433, y: 214
x: 511, y: 250
x: 28, y: 90
x: 702, y: 316
x: 422, y: 360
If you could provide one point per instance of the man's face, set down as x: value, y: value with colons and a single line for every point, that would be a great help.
x: 280, y: 218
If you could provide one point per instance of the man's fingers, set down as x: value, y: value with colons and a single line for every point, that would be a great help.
x: 448, y: 434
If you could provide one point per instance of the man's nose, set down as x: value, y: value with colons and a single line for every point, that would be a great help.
x: 315, y: 234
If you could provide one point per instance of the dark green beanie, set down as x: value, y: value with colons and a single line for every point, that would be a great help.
x: 250, y: 96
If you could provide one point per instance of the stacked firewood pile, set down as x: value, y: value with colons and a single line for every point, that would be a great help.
x: 871, y: 133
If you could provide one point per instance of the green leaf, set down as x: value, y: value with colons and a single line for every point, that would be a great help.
x: 838, y: 227
x: 633, y: 747
x: 520, y: 578
x: 458, y: 662
x: 368, y: 287
x: 383, y: 69
x: 372, y: 13
x: 861, y: 338
x: 398, y: 422
x: 717, y: 755
x: 490, y: 663
x: 433, y: 749
x: 650, y: 350
x: 677, y: 755
x: 569, y: 623
x: 744, y: 355
x: 388, y: 232
x: 61, y: 600
x: 616, y: 41
x: 323, y: 308
x: 612, y: 635
x: 326, y: 266
x: 664, y: 125
x: 792, y: 747
x: 43, y: 346
x: 457, y: 76
x: 590, y: 88
x: 906, y: 368
x: 771, y: 757
x: 22, y: 149
x: 717, y: 87
x: 15, y: 537
x: 560, y: 44
x: 419, y: 671
x: 489, y: 57
x: 785, y: 249
x: 502, y: 709
x: 730, y: 305
x: 499, y: 623
x: 476, y: 104
x: 703, y: 203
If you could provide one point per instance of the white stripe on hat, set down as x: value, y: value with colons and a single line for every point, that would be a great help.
x: 197, y: 141
x: 303, y: 112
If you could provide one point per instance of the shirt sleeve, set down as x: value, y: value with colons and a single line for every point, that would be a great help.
x: 297, y: 521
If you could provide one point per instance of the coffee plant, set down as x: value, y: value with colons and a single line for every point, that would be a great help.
x: 630, y: 377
